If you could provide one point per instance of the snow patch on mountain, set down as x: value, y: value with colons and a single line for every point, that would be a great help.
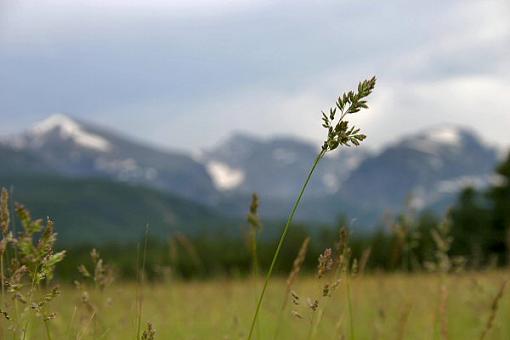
x: 445, y: 135
x: 70, y: 129
x: 126, y: 169
x: 224, y: 177
x: 433, y: 140
x: 284, y: 156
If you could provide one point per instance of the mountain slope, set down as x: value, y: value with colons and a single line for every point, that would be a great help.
x: 276, y: 167
x: 424, y: 168
x: 77, y: 149
x: 13, y: 161
x: 95, y: 210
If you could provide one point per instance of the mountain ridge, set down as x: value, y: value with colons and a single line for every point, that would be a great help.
x: 95, y: 210
x: 429, y: 165
x: 79, y: 149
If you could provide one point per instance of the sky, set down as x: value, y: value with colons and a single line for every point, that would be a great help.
x: 186, y: 74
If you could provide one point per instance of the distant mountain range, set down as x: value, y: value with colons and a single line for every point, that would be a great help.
x: 425, y: 169
x: 64, y: 146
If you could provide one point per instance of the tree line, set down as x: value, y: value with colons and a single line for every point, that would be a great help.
x: 476, y: 230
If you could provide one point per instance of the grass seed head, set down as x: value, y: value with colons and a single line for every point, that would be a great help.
x: 149, y: 333
x: 339, y: 132
x: 253, y: 214
x: 298, y: 263
x: 296, y: 314
x: 325, y: 263
x: 4, y: 212
x: 5, y: 315
x: 313, y: 304
x: 295, y: 298
x: 494, y: 310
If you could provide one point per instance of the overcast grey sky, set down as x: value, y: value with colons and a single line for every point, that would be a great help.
x: 186, y: 73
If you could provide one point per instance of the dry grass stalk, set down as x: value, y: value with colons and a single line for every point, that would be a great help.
x: 325, y: 263
x: 339, y: 327
x: 255, y: 225
x: 4, y: 212
x: 298, y: 263
x: 190, y: 249
x: 4, y: 227
x: 149, y: 333
x: 296, y: 269
x: 365, y: 256
x: 296, y: 314
x: 344, y: 252
x: 404, y: 316
x: 253, y: 214
x: 333, y: 269
x: 140, y: 283
x: 443, y: 311
x: 99, y: 276
x: 494, y: 310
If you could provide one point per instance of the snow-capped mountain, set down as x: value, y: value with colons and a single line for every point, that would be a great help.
x: 422, y: 168
x: 430, y: 167
x: 62, y: 128
x: 276, y: 167
x: 78, y: 149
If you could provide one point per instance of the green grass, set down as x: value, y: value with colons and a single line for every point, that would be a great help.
x: 222, y: 309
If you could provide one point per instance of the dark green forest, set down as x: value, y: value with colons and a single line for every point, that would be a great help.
x: 474, y: 232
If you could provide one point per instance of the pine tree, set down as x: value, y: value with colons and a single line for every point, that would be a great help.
x: 499, y: 196
x: 471, y: 226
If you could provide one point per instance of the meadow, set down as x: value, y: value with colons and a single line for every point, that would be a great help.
x: 384, y: 306
x: 339, y: 297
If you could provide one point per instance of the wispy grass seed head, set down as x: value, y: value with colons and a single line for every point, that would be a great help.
x: 298, y: 263
x: 4, y: 212
x: 253, y: 214
x: 339, y: 132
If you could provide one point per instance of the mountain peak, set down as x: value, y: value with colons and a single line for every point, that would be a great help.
x: 69, y: 129
x: 450, y: 135
x: 441, y: 138
x: 57, y: 120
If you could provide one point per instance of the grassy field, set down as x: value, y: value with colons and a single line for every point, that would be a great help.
x: 419, y: 306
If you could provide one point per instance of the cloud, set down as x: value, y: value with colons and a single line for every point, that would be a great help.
x: 186, y: 74
x: 474, y: 101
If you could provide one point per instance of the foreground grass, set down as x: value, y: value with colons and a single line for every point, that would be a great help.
x: 384, y: 307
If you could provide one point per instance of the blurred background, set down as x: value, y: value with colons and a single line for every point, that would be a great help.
x: 118, y: 114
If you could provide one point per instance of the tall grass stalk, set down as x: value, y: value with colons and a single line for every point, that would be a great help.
x: 47, y: 327
x: 139, y: 319
x: 141, y: 279
x: 4, y: 226
x: 494, y: 309
x: 281, y: 241
x: 255, y: 226
x: 296, y: 268
x: 339, y: 134
x: 349, y: 307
